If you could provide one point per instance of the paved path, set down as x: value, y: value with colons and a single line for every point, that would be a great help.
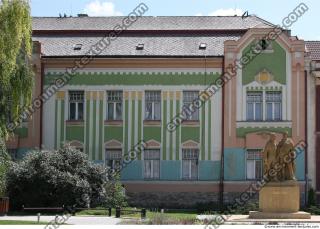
x: 74, y: 220
x: 244, y: 219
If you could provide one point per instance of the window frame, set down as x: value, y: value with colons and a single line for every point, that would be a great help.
x: 254, y: 106
x: 76, y: 102
x: 153, y: 102
x: 273, y: 103
x: 113, y: 159
x: 193, y: 158
x: 152, y: 160
x: 255, y: 159
x: 114, y: 103
x: 188, y: 102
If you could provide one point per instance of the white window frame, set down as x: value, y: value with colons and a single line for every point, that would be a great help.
x: 254, y: 155
x: 114, y: 102
x: 273, y: 105
x: 76, y: 102
x: 113, y: 155
x: 190, y: 156
x: 153, y: 99
x: 264, y: 103
x: 151, y: 155
x: 187, y: 101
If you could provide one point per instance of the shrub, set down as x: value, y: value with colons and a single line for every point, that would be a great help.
x: 311, y: 197
x: 52, y: 179
x: 4, y: 160
x: 115, y: 194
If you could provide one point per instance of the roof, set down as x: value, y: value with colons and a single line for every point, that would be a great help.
x: 126, y: 45
x: 314, y: 48
x: 161, y: 36
x: 150, y: 23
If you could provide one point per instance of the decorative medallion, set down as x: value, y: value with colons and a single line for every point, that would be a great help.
x: 264, y: 77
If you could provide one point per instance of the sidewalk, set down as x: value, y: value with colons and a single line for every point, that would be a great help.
x: 244, y: 219
x: 73, y: 220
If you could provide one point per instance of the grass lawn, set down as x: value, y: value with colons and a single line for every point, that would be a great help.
x: 18, y: 222
x: 99, y: 212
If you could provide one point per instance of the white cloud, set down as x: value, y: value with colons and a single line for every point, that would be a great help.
x: 99, y: 8
x: 224, y: 12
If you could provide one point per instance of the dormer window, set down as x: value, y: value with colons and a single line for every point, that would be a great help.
x: 140, y: 47
x: 264, y: 45
x: 203, y: 46
x: 77, y: 47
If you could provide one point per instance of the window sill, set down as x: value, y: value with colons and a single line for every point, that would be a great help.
x: 152, y: 122
x: 75, y: 122
x: 190, y: 123
x: 264, y: 124
x: 113, y: 122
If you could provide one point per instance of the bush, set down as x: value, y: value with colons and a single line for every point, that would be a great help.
x: 52, y: 179
x: 311, y: 197
x: 4, y: 160
x: 115, y: 194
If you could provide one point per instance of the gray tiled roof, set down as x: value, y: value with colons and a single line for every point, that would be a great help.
x: 148, y: 30
x: 126, y: 45
x: 314, y: 48
x: 151, y: 23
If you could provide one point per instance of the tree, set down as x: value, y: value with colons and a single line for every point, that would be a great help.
x: 51, y: 179
x: 16, y: 74
x: 115, y: 196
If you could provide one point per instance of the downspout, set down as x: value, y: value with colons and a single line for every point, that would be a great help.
x: 306, y: 137
x: 221, y: 184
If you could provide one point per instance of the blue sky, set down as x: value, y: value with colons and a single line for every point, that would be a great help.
x: 306, y: 27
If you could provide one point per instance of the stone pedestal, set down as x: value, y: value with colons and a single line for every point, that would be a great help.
x: 279, y: 200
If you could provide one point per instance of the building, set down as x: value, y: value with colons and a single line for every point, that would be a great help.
x: 128, y: 90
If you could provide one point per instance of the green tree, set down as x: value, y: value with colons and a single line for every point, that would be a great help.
x: 115, y: 193
x: 16, y: 74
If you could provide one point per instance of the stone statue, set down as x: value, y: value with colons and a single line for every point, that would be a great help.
x: 285, y: 153
x: 279, y: 156
x: 270, y: 157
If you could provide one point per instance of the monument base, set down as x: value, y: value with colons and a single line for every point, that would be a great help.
x: 270, y: 215
x: 279, y: 200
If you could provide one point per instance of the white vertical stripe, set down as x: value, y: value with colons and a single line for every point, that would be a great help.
x: 217, y: 126
x: 123, y: 124
x: 66, y: 114
x: 97, y: 126
x: 174, y: 133
x: 168, y: 133
x: 162, y: 123
x: 180, y: 149
x: 213, y: 117
x: 129, y: 121
x: 142, y: 125
x: 206, y: 142
x: 136, y: 119
x: 58, y: 124
x: 201, y: 137
x: 284, y: 102
x: 90, y: 126
x: 104, y: 115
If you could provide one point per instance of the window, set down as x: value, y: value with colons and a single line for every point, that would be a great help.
x: 76, y: 105
x: 273, y: 106
x: 153, y: 105
x: 190, y: 164
x: 114, y: 107
x: 254, y: 106
x: 254, y: 164
x: 152, y: 164
x: 113, y: 158
x: 188, y: 98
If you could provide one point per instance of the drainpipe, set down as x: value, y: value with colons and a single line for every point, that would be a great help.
x: 221, y: 184
x: 41, y: 108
